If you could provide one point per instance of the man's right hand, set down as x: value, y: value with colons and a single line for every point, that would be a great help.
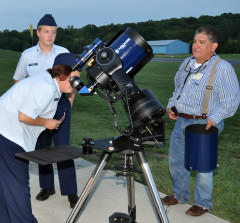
x: 171, y: 114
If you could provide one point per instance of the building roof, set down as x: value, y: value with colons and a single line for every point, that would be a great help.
x: 161, y: 42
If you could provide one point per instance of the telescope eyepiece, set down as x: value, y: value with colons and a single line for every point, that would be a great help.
x: 76, y: 83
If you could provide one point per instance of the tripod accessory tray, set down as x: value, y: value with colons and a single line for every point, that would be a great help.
x: 51, y: 155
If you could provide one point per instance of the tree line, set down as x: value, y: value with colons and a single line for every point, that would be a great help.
x: 75, y: 39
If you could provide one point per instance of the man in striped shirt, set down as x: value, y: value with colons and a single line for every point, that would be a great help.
x: 186, y: 107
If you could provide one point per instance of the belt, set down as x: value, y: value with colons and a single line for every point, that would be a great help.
x: 192, y: 116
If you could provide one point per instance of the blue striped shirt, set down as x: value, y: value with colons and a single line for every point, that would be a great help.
x: 188, y: 97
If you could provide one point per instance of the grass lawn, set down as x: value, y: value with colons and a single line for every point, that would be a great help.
x: 91, y: 117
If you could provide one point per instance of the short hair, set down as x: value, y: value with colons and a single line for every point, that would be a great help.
x: 62, y: 71
x: 41, y: 26
x: 211, y: 32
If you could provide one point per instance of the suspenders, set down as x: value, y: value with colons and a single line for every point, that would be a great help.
x: 209, y: 87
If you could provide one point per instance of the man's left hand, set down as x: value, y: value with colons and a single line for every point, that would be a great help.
x: 210, y: 123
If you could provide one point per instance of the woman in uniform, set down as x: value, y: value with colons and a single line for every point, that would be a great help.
x: 27, y: 109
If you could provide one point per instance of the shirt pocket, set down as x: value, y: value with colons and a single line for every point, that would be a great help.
x: 33, y: 69
x: 191, y: 96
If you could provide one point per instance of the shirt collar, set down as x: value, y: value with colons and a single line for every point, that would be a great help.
x: 39, y: 51
x: 57, y: 87
x: 192, y: 61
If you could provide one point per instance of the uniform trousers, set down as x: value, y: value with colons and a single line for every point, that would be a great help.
x: 15, y: 198
x: 66, y: 169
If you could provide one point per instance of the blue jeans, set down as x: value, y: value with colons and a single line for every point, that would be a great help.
x: 180, y: 175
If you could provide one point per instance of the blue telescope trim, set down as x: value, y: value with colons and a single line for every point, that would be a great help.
x: 88, y: 53
x: 84, y: 91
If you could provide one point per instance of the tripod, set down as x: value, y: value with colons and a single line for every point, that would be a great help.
x: 129, y: 147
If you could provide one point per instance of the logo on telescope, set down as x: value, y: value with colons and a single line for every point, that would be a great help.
x: 122, y: 46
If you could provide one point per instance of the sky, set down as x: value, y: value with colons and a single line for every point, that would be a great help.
x: 18, y: 15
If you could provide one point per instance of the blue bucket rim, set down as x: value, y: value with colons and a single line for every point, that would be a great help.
x: 201, y: 129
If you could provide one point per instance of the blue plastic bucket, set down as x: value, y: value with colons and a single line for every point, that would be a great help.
x: 201, y: 148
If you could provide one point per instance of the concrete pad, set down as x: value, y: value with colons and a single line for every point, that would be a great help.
x: 109, y: 196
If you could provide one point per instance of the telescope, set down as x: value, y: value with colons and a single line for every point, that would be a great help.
x: 110, y: 70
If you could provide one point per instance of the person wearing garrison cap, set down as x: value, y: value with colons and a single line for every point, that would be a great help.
x: 34, y: 61
x: 26, y: 109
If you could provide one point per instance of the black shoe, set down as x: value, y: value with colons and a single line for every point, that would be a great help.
x: 45, y: 193
x: 73, y: 199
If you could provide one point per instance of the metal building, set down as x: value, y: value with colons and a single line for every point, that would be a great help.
x: 175, y: 46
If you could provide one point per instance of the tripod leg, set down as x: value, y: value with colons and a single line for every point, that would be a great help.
x: 142, y: 159
x: 88, y: 188
x: 131, y: 189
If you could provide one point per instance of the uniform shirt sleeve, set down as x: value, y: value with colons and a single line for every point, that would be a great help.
x: 21, y: 69
x: 37, y: 100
